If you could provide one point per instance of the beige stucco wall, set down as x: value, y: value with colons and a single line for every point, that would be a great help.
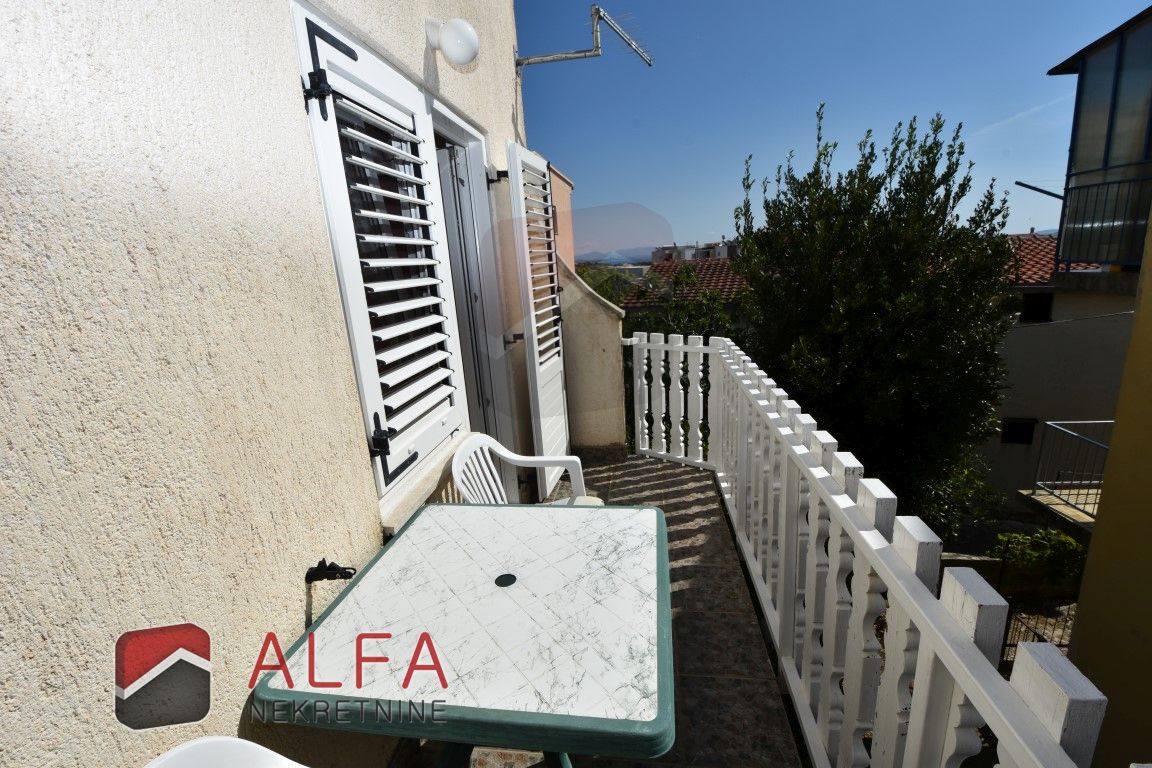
x: 593, y: 365
x: 181, y: 427
x: 562, y: 200
x: 1114, y: 618
x: 1067, y: 370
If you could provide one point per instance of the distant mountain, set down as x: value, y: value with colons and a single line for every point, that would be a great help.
x: 639, y: 255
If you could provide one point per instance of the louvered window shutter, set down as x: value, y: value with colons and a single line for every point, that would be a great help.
x: 381, y: 187
x: 531, y: 187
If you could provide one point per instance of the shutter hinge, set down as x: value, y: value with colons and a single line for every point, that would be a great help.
x: 497, y: 177
x: 379, y: 447
x: 318, y: 89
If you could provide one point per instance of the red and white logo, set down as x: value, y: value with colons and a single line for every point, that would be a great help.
x: 163, y: 676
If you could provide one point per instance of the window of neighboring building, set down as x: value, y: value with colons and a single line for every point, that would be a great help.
x: 1037, y: 307
x: 1133, y: 98
x: 1017, y: 431
x: 1095, y: 103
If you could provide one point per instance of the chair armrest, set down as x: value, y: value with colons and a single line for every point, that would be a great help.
x: 570, y: 463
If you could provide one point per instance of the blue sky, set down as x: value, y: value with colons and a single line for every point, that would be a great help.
x: 657, y: 154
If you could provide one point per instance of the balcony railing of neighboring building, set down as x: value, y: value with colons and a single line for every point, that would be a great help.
x: 1072, y: 459
x: 828, y: 557
x: 1105, y: 223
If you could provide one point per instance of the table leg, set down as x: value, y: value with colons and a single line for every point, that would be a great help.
x: 557, y: 760
x: 455, y: 756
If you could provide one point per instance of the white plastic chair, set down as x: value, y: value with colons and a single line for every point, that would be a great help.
x: 476, y: 476
x: 221, y: 752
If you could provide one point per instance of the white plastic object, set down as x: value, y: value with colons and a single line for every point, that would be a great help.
x: 221, y: 752
x: 478, y: 479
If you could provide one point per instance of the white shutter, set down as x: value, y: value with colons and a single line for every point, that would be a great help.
x: 531, y: 188
x: 377, y: 161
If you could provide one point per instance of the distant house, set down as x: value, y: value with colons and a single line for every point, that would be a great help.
x: 1065, y: 355
x: 1109, y: 181
x: 696, y: 252
x: 714, y: 276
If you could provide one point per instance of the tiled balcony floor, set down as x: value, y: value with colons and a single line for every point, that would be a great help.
x: 729, y: 709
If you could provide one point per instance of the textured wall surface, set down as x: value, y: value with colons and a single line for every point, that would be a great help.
x: 593, y: 364
x: 562, y: 201
x: 1114, y: 619
x: 181, y: 427
x: 1066, y: 370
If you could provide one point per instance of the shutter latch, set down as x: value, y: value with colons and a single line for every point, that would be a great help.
x: 318, y: 89
x: 378, y: 443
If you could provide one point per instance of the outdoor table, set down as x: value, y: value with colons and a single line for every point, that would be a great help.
x: 552, y: 626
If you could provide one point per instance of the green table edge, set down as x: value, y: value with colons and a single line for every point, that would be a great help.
x: 507, y: 728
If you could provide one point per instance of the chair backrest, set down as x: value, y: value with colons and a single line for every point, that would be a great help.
x: 221, y: 752
x: 475, y: 474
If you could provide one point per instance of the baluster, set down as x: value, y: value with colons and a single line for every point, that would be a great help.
x: 837, y: 607
x: 1066, y: 702
x: 795, y: 495
x: 676, y: 396
x: 942, y: 723
x: 806, y: 425
x: 755, y: 487
x: 920, y: 548
x: 777, y: 397
x: 695, y: 400
x: 816, y: 575
x: 781, y: 503
x: 717, y: 416
x: 640, y: 389
x: 658, y: 394
x: 768, y: 531
x: 822, y: 446
x: 862, y: 659
x: 846, y: 473
x: 745, y: 459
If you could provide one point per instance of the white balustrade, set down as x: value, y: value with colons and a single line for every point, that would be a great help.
x: 829, y: 558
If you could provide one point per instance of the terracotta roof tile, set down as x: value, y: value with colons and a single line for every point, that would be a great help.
x: 712, y: 276
x: 1037, y: 256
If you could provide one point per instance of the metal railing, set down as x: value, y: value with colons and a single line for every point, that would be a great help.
x: 1105, y: 223
x: 1071, y: 463
x: 828, y: 556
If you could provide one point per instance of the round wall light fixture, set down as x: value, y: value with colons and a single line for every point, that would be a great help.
x: 455, y: 38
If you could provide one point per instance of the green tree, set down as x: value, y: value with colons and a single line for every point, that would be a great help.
x: 610, y: 283
x: 881, y: 309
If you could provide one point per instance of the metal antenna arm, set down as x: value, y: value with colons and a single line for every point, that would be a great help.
x: 598, y: 14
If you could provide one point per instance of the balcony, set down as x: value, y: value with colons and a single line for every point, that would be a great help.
x: 1070, y: 471
x: 884, y: 660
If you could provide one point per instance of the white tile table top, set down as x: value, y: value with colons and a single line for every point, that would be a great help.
x: 576, y: 634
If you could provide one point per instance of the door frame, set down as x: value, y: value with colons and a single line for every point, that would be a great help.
x: 480, y: 259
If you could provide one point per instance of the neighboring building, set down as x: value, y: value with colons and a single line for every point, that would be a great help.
x: 1065, y: 355
x: 562, y: 187
x: 1109, y: 186
x: 697, y: 252
x: 1110, y: 638
x: 241, y: 336
x: 1105, y: 220
x: 714, y: 276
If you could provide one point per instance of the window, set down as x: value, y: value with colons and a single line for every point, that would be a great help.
x: 1095, y: 102
x: 377, y: 160
x: 1133, y: 98
x: 1016, y: 431
x: 1037, y: 307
